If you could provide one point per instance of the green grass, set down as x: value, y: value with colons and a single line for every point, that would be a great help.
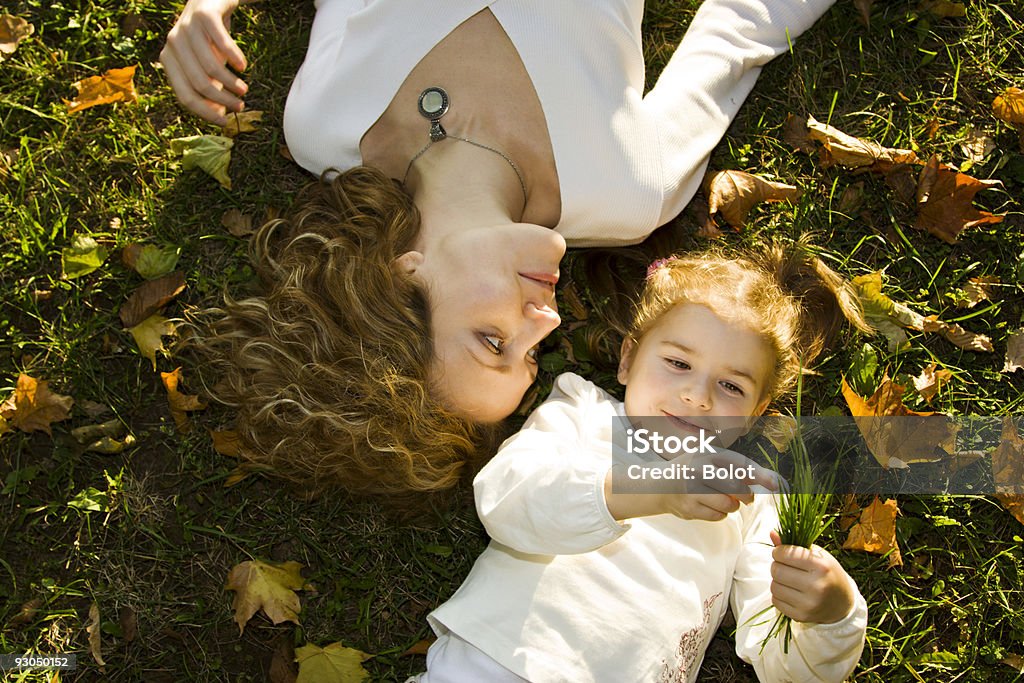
x: 167, y: 531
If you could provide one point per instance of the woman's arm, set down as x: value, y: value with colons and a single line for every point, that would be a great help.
x: 710, y: 75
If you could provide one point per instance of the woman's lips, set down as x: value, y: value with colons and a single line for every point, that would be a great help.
x: 546, y: 279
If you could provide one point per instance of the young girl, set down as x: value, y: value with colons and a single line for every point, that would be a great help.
x: 569, y: 591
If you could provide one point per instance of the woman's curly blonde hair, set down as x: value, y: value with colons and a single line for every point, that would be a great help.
x: 327, y: 370
x: 783, y: 292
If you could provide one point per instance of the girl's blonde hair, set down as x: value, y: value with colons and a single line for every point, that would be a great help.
x: 328, y: 369
x: 783, y: 292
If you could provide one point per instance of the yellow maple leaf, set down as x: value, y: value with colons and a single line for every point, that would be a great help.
x: 241, y: 122
x: 876, y: 531
x: 148, y: 335
x: 33, y: 407
x: 332, y: 664
x: 269, y: 586
x: 116, y: 85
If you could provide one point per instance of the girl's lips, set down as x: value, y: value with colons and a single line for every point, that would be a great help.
x: 543, y: 278
x: 681, y: 423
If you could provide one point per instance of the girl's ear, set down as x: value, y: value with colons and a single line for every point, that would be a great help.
x: 626, y: 359
x: 762, y: 406
x: 408, y: 263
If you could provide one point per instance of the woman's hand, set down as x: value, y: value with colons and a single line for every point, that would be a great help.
x: 808, y: 584
x: 195, y: 57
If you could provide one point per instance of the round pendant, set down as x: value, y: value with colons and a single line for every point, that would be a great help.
x: 433, y: 103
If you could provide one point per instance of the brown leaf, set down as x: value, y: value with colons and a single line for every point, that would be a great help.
x: 93, y: 629
x: 1008, y: 460
x: 241, y: 122
x: 286, y: 153
x: 876, y: 531
x: 150, y: 297
x: 181, y: 404
x: 896, y: 435
x: 944, y: 201
x: 116, y: 85
x: 796, y: 134
x: 865, y: 10
x: 1014, y: 352
x: 282, y: 664
x: 930, y: 381
x: 735, y: 193
x: 268, y: 586
x: 33, y: 407
x: 944, y: 9
x: 1014, y: 661
x: 968, y: 341
x: 978, y: 289
x: 976, y: 146
x: 237, y: 223
x: 852, y: 199
x: 846, y: 150
x: 129, y: 624
x: 902, y: 178
x: 420, y: 647
x: 13, y: 30
x: 27, y: 613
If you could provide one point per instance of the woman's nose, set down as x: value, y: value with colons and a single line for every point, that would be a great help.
x: 542, y: 318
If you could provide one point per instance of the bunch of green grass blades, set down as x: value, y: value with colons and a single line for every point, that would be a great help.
x: 802, y: 513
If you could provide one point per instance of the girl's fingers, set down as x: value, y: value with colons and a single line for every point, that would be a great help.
x: 217, y: 31
x: 213, y: 47
x: 784, y: 575
x: 179, y: 80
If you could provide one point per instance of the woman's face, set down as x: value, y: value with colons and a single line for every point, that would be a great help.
x: 492, y: 299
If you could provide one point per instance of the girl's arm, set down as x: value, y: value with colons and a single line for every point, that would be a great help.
x: 543, y: 493
x: 817, y: 652
x: 710, y: 75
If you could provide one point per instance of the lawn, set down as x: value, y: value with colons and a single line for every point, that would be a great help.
x: 126, y: 554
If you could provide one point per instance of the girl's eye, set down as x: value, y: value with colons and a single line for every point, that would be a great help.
x: 495, y: 345
x: 678, y: 364
x: 732, y: 388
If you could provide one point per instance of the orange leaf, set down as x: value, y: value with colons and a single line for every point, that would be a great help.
x: 1009, y: 106
x: 735, y: 193
x: 896, y: 435
x: 33, y: 407
x: 944, y: 201
x: 930, y: 381
x: 181, y: 404
x: 876, y: 531
x: 420, y: 647
x: 116, y: 85
x: 150, y: 297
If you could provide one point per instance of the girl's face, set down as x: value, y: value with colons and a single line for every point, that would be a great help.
x: 697, y: 371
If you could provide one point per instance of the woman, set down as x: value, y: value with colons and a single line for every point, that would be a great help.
x: 398, y: 323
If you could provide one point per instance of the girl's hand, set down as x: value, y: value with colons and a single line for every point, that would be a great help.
x: 808, y: 584
x: 197, y: 50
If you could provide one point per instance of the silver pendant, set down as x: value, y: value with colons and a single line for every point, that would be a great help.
x: 433, y: 104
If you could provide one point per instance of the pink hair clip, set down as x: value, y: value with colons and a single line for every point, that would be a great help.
x: 658, y: 263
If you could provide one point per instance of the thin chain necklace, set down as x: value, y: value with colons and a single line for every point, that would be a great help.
x: 433, y: 104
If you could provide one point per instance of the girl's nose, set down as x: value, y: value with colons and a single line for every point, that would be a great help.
x: 696, y: 393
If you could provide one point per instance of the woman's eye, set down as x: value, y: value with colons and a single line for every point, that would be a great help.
x: 533, y: 353
x: 495, y: 345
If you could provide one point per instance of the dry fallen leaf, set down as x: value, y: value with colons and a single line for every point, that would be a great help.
x: 1014, y: 352
x: 420, y: 647
x: 968, y: 341
x: 116, y: 85
x: 876, y: 531
x: 896, y: 435
x: 888, y: 317
x: 944, y: 9
x: 865, y: 10
x: 237, y: 223
x: 129, y: 624
x: 33, y: 407
x: 112, y: 428
x: 150, y: 297
x: 1009, y: 107
x: 181, y: 404
x: 282, y: 664
x: 93, y: 629
x: 148, y: 335
x: 241, y: 122
x: 27, y: 613
x: 976, y: 146
x: 13, y: 30
x: 846, y: 150
x: 1008, y: 459
x: 735, y: 193
x: 1013, y: 661
x: 212, y: 153
x: 978, y: 289
x: 332, y: 664
x: 930, y: 381
x: 269, y: 586
x: 944, y: 201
